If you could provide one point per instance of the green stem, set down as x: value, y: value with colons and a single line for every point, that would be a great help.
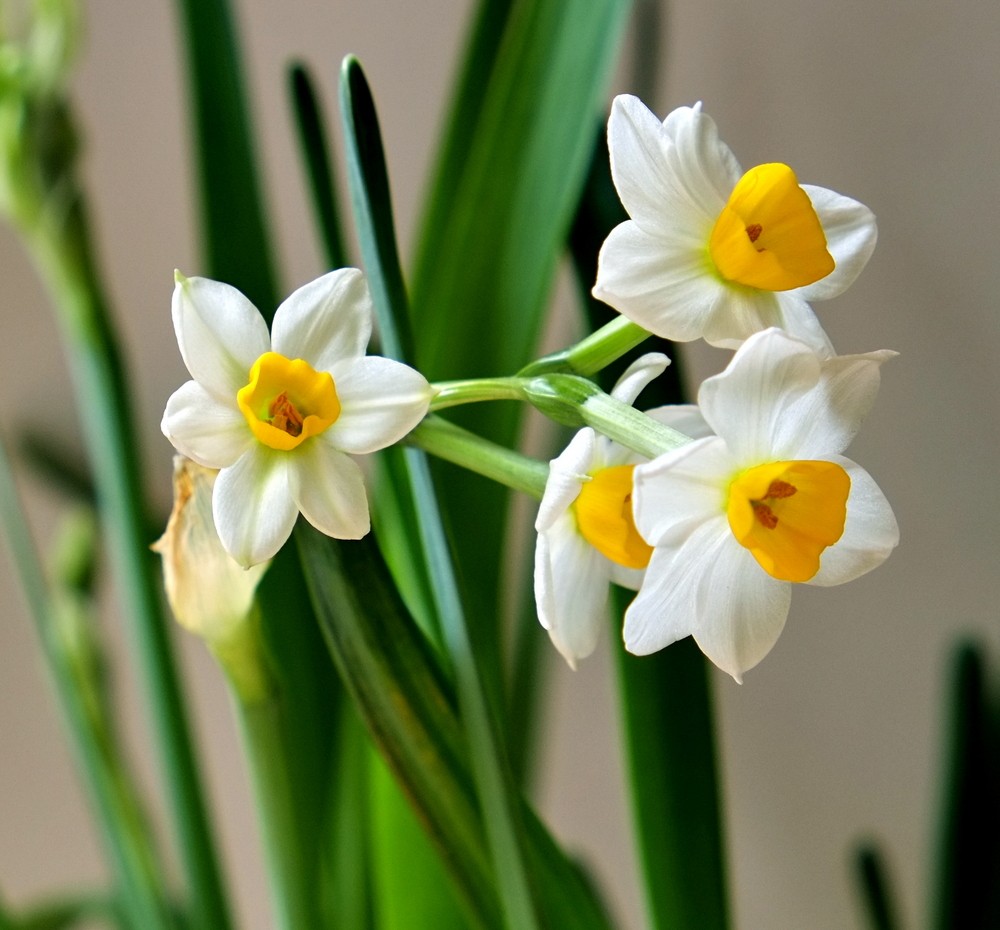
x: 459, y: 446
x: 453, y: 393
x: 294, y: 895
x: 104, y: 774
x: 594, y: 353
x: 60, y: 246
x: 575, y: 401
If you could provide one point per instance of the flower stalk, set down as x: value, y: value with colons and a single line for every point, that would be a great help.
x: 459, y: 446
x: 49, y: 210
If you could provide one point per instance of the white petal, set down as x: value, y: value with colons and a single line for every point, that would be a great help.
x: 851, y: 233
x: 685, y: 418
x: 637, y: 144
x: 664, y: 285
x: 329, y: 489
x: 630, y: 578
x: 797, y: 319
x: 870, y: 533
x: 253, y: 506
x: 211, y: 433
x: 643, y: 370
x: 678, y: 491
x: 567, y: 474
x: 739, y: 312
x: 748, y: 403
x: 712, y: 588
x: 381, y: 401
x: 571, y: 589
x: 744, y: 610
x: 703, y: 166
x: 325, y: 320
x: 219, y: 332
x: 828, y: 417
x: 668, y: 604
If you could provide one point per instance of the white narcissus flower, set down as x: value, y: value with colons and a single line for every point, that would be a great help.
x: 711, y: 252
x: 769, y: 500
x: 586, y: 537
x: 281, y: 413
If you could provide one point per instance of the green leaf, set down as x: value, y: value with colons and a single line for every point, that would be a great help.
x: 667, y: 714
x: 497, y: 796
x: 405, y: 702
x: 372, y: 203
x: 395, y: 516
x: 874, y: 887
x: 969, y: 850
x: 498, y: 216
x: 409, y: 710
x: 235, y: 240
x: 305, y: 716
x: 312, y: 136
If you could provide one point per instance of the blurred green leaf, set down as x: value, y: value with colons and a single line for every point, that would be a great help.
x: 235, y: 238
x: 968, y: 881
x: 876, y: 893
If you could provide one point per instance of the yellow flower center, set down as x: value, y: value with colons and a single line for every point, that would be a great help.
x: 286, y: 401
x: 603, y: 512
x: 787, y: 513
x: 768, y: 235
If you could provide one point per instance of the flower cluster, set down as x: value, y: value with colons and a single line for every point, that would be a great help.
x: 713, y: 532
x: 761, y: 498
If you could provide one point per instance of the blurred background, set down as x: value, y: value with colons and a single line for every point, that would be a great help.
x: 836, y: 736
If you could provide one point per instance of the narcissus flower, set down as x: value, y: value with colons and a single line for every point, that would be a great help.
x: 734, y: 519
x: 281, y: 413
x: 586, y: 536
x: 712, y: 252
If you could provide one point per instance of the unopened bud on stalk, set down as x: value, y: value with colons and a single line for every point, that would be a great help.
x: 209, y: 593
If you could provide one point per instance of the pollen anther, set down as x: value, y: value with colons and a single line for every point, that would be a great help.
x: 286, y: 401
x: 284, y: 416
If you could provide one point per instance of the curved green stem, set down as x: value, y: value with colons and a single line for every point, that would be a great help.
x: 459, y: 446
x: 474, y: 390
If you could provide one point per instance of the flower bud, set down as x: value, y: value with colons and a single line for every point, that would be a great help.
x: 209, y: 593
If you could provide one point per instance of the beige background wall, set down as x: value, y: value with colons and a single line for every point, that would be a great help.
x: 835, y: 735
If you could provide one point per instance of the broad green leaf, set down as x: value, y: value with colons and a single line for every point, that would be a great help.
x: 309, y: 705
x: 405, y: 702
x: 409, y: 710
x: 670, y: 741
x: 235, y: 238
x: 501, y: 201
